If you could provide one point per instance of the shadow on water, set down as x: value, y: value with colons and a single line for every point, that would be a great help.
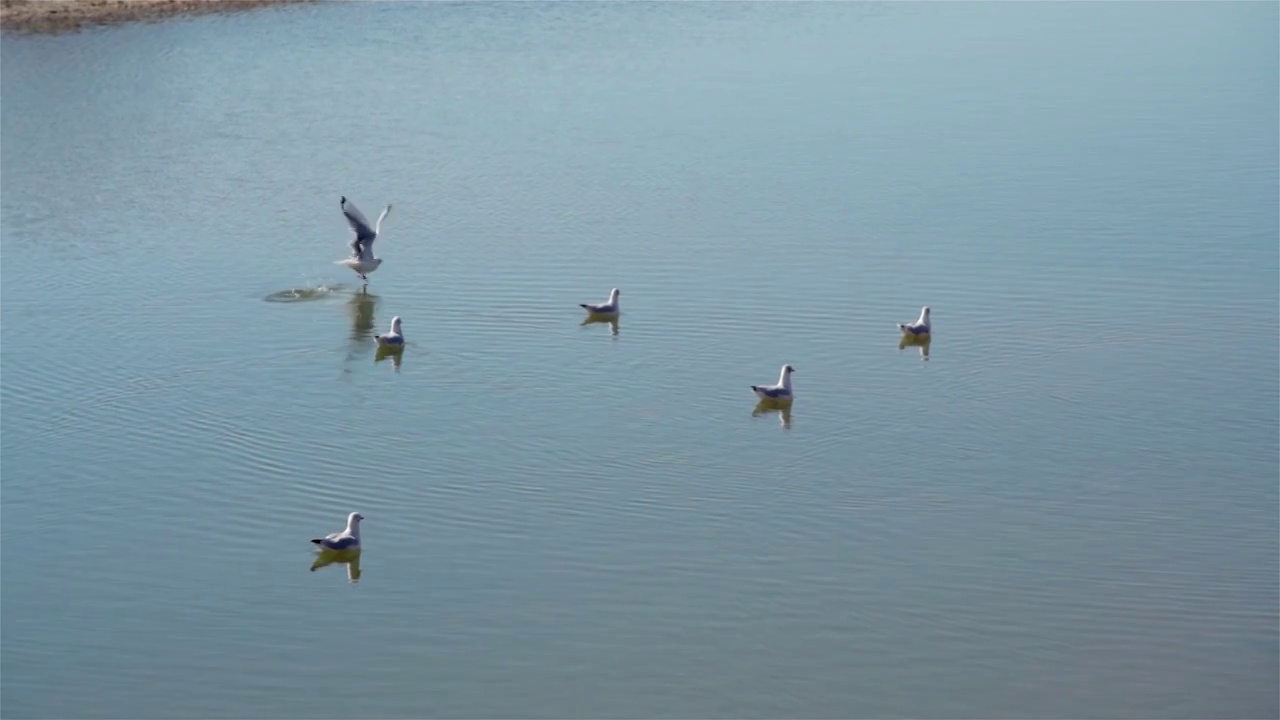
x: 783, y: 409
x: 611, y: 320
x: 293, y: 295
x: 350, y: 558
x: 920, y: 341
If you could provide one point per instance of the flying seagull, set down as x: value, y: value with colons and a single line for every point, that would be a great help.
x: 362, y: 260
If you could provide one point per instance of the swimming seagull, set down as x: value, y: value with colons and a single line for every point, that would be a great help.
x: 781, y: 391
x: 392, y: 340
x: 921, y: 326
x: 362, y: 260
x: 607, y: 308
x: 348, y: 539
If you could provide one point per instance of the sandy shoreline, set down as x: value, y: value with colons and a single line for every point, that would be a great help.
x: 51, y: 16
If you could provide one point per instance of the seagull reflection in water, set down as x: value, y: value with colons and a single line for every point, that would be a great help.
x: 922, y: 342
x: 350, y: 558
x: 362, y: 306
x: 783, y: 409
x: 396, y: 355
x: 611, y: 320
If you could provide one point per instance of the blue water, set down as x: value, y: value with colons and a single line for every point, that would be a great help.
x: 1068, y: 508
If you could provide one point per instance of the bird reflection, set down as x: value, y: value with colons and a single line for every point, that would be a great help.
x: 920, y: 341
x: 593, y: 319
x: 396, y: 355
x: 350, y: 558
x: 362, y: 306
x: 765, y: 407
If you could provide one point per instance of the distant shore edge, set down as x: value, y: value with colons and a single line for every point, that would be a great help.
x: 52, y: 16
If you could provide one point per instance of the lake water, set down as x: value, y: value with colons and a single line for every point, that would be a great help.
x: 1069, y: 509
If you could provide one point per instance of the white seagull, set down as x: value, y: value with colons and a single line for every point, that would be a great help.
x: 392, y: 340
x: 608, y: 308
x: 921, y: 326
x: 362, y: 260
x: 781, y: 391
x: 348, y: 539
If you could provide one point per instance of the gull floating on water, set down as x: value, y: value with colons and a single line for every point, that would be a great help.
x: 392, y: 340
x: 922, y: 326
x: 608, y: 308
x: 781, y: 391
x: 348, y: 539
x: 362, y: 260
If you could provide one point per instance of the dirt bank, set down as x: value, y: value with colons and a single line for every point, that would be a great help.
x: 50, y: 16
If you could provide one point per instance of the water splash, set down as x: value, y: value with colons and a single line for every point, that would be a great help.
x: 305, y: 294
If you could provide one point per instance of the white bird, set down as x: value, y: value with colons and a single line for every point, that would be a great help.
x: 781, y: 391
x: 348, y: 539
x: 362, y: 260
x: 608, y: 308
x: 922, y: 326
x: 393, y: 339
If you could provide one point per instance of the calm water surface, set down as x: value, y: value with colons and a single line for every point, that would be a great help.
x: 1068, y: 510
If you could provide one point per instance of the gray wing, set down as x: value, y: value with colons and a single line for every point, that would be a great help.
x: 342, y: 542
x: 359, y: 223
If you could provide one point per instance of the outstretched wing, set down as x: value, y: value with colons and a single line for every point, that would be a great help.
x: 378, y: 228
x: 359, y: 223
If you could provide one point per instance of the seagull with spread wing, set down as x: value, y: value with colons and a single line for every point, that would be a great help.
x: 362, y: 260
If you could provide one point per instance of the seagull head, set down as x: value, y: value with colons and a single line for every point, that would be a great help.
x: 784, y: 379
x: 395, y: 324
x: 354, y: 519
x: 613, y: 295
x: 924, y: 312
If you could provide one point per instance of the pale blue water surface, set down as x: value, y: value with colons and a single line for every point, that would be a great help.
x: 1068, y: 510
